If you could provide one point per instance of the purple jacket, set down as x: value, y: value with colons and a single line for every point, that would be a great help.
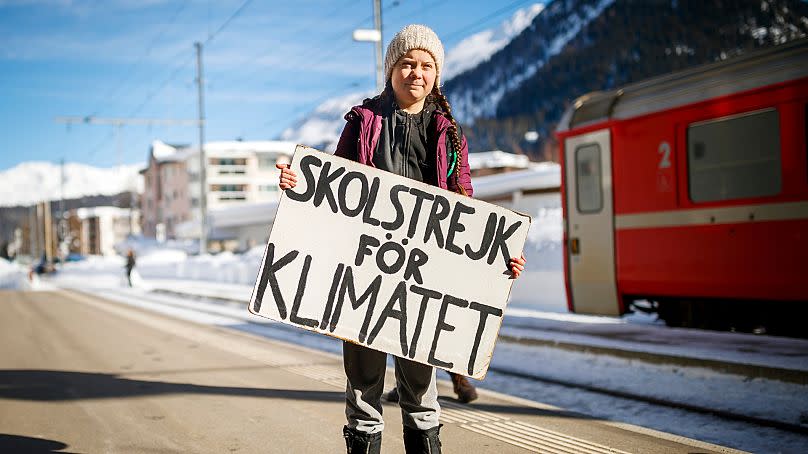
x: 364, y: 127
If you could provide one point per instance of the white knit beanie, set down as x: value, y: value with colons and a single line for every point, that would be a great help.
x: 414, y: 37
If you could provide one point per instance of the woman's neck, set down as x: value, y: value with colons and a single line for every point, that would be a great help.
x: 413, y: 108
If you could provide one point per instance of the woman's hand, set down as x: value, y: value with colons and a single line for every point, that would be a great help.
x: 517, y: 266
x: 288, y: 179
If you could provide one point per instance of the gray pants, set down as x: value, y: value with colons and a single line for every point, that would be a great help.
x: 417, y: 388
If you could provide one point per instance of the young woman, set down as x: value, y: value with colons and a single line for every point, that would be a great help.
x: 409, y: 130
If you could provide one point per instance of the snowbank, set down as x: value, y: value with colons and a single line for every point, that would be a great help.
x: 225, y: 267
x: 541, y: 286
x: 12, y: 275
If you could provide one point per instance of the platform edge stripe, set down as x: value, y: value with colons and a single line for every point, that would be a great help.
x: 619, y: 425
x: 452, y: 420
x: 564, y: 443
x: 496, y: 436
x: 469, y: 415
x: 540, y: 443
x: 461, y: 407
x: 564, y: 438
x: 572, y: 444
x: 459, y: 415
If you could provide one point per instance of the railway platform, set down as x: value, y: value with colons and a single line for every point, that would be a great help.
x: 87, y: 375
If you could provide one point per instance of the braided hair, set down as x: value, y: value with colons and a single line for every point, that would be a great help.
x: 453, y: 156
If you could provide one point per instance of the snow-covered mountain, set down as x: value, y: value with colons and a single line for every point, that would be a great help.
x: 522, y: 75
x: 547, y: 35
x: 479, y: 47
x: 322, y: 127
x: 38, y: 181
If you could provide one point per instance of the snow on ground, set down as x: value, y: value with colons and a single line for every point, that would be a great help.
x: 537, y: 311
x: 541, y: 286
x: 94, y: 272
x: 12, y: 275
x: 696, y: 386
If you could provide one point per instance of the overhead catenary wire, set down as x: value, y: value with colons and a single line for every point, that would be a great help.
x: 98, y: 146
x: 303, y: 57
x: 236, y: 13
x: 163, y: 85
x: 179, y: 68
x: 190, y: 58
x: 312, y: 51
x: 303, y: 107
x: 264, y: 52
x: 334, y: 51
x: 460, y: 30
x: 111, y: 96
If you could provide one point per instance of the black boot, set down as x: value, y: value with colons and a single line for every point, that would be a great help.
x: 362, y: 443
x: 463, y: 388
x: 422, y: 441
x: 392, y: 396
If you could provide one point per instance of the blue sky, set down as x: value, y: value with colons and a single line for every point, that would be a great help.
x: 266, y: 63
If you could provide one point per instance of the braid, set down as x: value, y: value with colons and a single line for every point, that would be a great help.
x: 454, y: 137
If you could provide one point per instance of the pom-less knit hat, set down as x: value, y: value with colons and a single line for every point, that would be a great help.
x: 414, y: 37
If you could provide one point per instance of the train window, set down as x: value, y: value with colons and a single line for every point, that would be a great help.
x: 735, y: 157
x: 589, y: 190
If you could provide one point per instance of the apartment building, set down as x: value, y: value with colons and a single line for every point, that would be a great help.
x: 236, y: 172
x: 166, y: 200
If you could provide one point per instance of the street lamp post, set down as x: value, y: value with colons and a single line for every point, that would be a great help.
x: 374, y: 35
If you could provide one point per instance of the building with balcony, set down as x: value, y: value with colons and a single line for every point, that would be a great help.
x: 236, y: 172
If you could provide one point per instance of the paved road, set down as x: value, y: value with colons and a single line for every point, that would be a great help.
x: 84, y: 375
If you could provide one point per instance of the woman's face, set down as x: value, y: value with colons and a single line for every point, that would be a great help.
x: 413, y: 77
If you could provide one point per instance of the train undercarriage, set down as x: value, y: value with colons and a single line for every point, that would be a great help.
x: 777, y: 318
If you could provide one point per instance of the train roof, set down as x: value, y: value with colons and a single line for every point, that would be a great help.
x: 756, y: 69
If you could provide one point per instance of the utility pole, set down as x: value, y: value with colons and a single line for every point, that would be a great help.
x: 377, y: 21
x: 39, y: 236
x: 61, y: 227
x: 48, y: 227
x: 203, y: 194
x: 374, y: 35
x: 32, y: 229
x: 118, y: 123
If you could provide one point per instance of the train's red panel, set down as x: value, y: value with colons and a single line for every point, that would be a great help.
x: 671, y: 243
x: 754, y: 260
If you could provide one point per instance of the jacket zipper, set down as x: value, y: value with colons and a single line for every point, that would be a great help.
x: 406, y: 144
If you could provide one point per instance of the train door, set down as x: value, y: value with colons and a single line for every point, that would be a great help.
x: 590, y: 224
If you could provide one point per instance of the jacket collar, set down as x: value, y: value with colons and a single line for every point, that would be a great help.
x: 373, y: 107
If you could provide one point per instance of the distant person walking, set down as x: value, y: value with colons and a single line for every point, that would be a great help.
x: 130, y: 265
x: 409, y: 130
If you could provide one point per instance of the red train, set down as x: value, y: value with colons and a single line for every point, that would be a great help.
x: 687, y: 194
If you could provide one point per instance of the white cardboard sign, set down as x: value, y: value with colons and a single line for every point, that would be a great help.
x: 390, y: 263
